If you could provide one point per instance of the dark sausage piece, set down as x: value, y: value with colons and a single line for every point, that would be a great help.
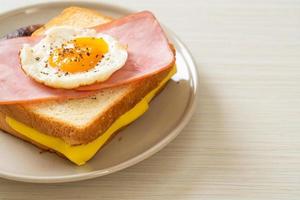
x: 23, y: 31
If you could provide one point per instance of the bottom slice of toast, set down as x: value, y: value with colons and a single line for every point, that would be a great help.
x: 79, y: 154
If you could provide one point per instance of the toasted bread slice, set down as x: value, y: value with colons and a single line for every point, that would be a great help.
x: 76, y: 17
x: 79, y: 121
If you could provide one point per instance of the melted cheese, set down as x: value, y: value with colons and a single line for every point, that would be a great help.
x: 80, y: 154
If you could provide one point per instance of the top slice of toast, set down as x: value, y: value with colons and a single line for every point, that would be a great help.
x: 80, y: 121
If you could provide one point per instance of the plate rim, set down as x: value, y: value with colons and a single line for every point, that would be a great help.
x: 190, y: 109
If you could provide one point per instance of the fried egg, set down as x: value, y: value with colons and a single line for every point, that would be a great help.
x: 69, y: 57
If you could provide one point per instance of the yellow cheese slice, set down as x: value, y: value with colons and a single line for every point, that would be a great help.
x: 80, y: 154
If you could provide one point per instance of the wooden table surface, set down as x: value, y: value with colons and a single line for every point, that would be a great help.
x: 244, y: 139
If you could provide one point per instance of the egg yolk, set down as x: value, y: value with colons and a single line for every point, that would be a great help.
x: 78, y: 55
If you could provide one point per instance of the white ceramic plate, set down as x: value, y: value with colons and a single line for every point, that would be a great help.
x: 168, y: 114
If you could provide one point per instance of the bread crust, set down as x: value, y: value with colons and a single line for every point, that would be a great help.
x: 75, y: 16
x: 5, y: 127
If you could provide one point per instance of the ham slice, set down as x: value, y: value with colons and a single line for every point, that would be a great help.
x: 148, y: 49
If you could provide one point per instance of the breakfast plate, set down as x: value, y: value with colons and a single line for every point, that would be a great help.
x: 169, y: 112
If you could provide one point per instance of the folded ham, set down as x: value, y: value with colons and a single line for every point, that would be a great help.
x: 149, y: 53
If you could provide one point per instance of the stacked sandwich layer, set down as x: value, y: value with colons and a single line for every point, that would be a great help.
x: 78, y: 128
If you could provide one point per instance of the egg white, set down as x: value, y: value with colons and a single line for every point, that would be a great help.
x: 34, y: 59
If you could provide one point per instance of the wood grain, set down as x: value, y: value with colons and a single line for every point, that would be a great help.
x: 244, y: 139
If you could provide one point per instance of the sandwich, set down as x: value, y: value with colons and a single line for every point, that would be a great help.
x: 77, y: 80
